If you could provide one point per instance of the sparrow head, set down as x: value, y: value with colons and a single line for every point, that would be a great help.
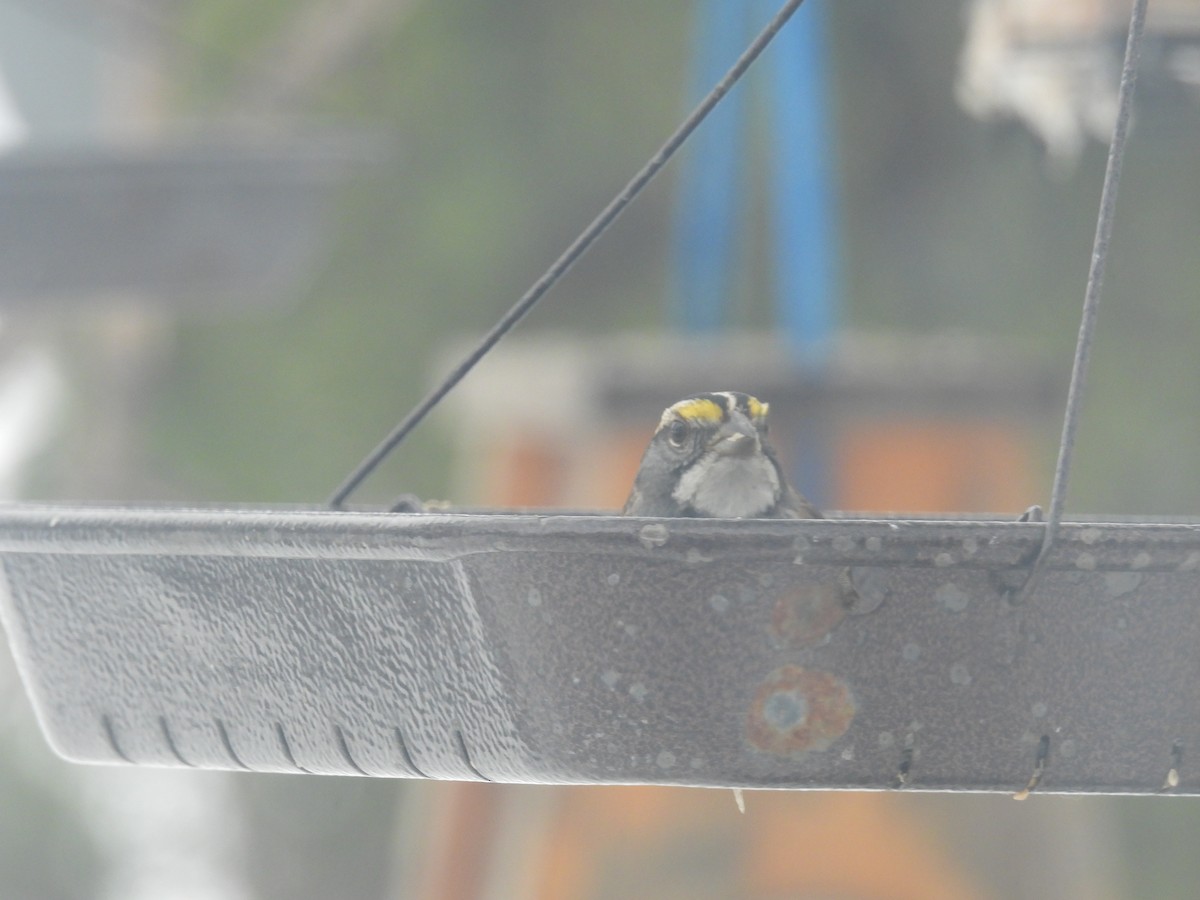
x: 709, y: 457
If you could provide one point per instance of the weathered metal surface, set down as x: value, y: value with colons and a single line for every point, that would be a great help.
x: 597, y: 649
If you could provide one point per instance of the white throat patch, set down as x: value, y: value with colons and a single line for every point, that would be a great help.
x: 729, y: 487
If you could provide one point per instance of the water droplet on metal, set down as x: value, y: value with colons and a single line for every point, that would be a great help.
x: 665, y: 760
x: 653, y: 535
x: 1038, y: 710
x: 614, y: 579
x: 843, y: 543
x: 952, y: 597
x: 638, y: 691
x: 870, y: 584
x: 1085, y: 561
x: 911, y: 652
x: 1142, y: 560
x: 719, y: 603
x: 874, y: 544
x: 886, y: 739
x: 959, y: 674
x: 534, y: 597
x: 943, y: 560
x: 1119, y: 583
x: 610, y: 678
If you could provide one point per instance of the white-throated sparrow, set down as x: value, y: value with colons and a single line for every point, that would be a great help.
x: 710, y: 458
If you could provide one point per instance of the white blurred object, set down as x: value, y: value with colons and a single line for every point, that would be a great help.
x: 31, y: 393
x: 13, y: 129
x: 170, y: 835
x: 1056, y: 66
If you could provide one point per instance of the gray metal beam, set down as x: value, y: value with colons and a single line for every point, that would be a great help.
x: 597, y: 649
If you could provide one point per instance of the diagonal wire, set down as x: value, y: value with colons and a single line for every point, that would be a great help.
x: 1091, y: 297
x: 577, y: 248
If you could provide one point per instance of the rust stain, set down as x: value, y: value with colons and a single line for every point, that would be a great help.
x: 796, y: 710
x: 806, y: 613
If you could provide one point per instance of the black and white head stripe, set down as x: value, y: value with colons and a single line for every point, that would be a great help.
x: 715, y: 408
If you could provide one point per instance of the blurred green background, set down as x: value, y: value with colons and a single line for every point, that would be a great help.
x: 507, y: 127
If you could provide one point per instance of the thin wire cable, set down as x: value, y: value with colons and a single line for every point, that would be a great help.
x: 1091, y: 297
x: 569, y: 256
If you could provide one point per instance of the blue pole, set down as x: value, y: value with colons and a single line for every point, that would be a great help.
x: 806, y: 226
x: 804, y: 193
x: 801, y: 191
x: 708, y: 214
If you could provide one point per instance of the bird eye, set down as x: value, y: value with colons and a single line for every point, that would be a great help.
x: 677, y: 433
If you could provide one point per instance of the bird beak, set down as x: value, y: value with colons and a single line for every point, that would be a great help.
x: 737, y: 437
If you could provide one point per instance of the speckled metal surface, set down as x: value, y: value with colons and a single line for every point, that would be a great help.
x: 597, y: 649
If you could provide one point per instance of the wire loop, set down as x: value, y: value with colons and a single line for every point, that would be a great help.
x: 1091, y: 297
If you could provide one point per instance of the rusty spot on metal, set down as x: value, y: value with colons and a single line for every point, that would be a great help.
x: 796, y: 710
x: 805, y: 613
